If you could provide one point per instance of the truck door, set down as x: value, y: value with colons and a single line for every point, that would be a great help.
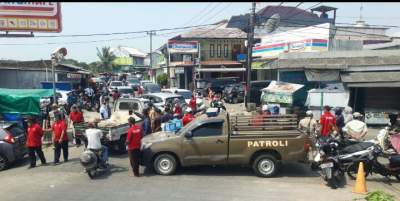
x: 207, y: 145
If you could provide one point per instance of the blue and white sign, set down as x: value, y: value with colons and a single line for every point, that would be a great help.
x: 183, y: 46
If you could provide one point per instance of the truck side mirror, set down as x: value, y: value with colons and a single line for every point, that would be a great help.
x: 189, y: 134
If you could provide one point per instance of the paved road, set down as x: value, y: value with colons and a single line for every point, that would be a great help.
x: 68, y: 182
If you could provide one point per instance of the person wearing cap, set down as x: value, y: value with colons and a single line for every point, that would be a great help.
x: 308, y: 124
x: 34, y: 142
x: 76, y: 117
x: 93, y: 136
x: 188, y: 117
x: 327, y: 122
x: 133, y: 142
x: 356, y: 128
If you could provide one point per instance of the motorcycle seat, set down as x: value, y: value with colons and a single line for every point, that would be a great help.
x: 395, y: 160
x: 356, y: 147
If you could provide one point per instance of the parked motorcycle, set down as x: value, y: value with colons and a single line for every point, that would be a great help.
x: 92, y: 162
x: 373, y: 165
x: 327, y: 161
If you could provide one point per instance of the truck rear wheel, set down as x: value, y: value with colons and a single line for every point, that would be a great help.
x: 265, y: 165
x: 121, y: 145
x: 165, y: 164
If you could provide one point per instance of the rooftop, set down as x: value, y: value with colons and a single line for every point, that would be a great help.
x: 121, y: 51
x: 219, y: 30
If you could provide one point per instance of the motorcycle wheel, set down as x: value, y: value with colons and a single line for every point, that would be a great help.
x: 91, y: 173
x: 352, y: 171
x: 397, y: 176
x: 332, y: 183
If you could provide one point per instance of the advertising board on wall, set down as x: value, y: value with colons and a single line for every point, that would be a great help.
x: 308, y: 39
x: 30, y: 16
x: 183, y: 46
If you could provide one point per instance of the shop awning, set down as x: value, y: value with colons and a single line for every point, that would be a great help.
x: 371, y: 79
x: 220, y: 69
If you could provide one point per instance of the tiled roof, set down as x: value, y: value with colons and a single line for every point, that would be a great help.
x: 214, y: 31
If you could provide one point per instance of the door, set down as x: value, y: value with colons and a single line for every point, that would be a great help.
x: 207, y: 146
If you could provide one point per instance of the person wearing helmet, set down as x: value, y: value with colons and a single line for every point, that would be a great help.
x: 188, y: 117
x: 177, y: 110
x: 308, y: 124
x: 356, y: 128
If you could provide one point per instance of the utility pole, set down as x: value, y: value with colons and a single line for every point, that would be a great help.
x: 151, y: 33
x: 250, y: 39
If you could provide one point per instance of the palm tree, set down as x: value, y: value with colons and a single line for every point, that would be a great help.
x: 106, y: 58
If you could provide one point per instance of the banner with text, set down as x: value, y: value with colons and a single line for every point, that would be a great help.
x: 182, y: 46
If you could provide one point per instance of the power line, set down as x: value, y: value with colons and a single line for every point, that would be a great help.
x: 201, y: 19
x: 198, y: 14
x: 121, y: 33
x: 219, y: 12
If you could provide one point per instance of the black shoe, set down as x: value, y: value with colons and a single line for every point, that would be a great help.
x: 56, y: 163
x: 65, y: 160
x: 30, y: 167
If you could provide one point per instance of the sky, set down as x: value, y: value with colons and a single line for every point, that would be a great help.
x: 88, y: 18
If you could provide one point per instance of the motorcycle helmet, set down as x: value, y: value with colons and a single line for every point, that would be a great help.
x: 88, y: 159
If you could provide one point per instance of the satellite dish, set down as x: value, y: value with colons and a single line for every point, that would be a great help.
x: 273, y: 22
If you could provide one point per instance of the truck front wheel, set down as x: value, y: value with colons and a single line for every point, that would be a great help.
x: 165, y: 164
x: 265, y: 165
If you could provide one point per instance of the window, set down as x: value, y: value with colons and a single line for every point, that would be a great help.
x: 208, y: 129
x: 225, y: 50
x: 212, y: 50
x: 219, y: 50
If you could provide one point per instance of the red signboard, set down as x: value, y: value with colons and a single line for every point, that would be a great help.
x: 30, y: 16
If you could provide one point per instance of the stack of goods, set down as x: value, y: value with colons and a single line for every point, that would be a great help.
x: 117, y: 118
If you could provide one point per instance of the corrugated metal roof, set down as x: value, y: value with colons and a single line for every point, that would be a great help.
x: 127, y: 51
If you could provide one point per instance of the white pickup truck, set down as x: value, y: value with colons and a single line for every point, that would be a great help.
x: 116, y: 135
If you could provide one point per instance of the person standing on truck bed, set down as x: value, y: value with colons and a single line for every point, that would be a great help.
x: 188, y: 117
x: 133, y: 141
x: 34, y: 142
x: 327, y: 122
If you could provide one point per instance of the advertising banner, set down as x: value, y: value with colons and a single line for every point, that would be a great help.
x: 308, y: 39
x: 30, y: 16
x: 182, y: 46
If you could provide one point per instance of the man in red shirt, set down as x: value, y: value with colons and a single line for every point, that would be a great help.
x: 327, y: 122
x: 60, y: 138
x: 76, y: 117
x: 178, y: 110
x: 34, y: 142
x: 133, y: 142
x: 188, y: 117
x: 192, y: 103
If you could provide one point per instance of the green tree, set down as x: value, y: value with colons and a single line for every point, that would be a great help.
x: 94, y: 67
x: 162, y: 79
x: 106, y: 58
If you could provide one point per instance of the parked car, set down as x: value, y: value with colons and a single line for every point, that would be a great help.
x: 142, y: 82
x: 187, y: 95
x: 133, y: 82
x: 218, y: 85
x: 12, y: 144
x: 161, y: 99
x: 114, y: 85
x: 126, y: 92
x: 233, y: 93
x: 151, y: 88
x: 255, y: 90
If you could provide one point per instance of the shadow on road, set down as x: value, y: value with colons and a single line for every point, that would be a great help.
x: 287, y: 170
x: 107, y: 173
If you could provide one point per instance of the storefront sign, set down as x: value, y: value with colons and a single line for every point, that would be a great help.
x: 179, y: 70
x: 123, y: 61
x: 308, y: 39
x: 74, y: 76
x: 183, y: 47
x: 30, y: 16
x: 277, y: 98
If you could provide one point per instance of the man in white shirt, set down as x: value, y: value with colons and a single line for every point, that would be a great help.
x: 93, y: 136
x: 104, y: 111
x: 308, y: 124
x: 356, y: 129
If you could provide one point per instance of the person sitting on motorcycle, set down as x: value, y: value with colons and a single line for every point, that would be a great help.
x: 356, y: 129
x: 94, y: 136
x: 188, y: 117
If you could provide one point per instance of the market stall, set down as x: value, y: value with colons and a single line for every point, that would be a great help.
x: 280, y: 96
x: 334, y: 95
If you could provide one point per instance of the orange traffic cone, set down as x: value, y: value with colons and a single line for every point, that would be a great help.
x: 360, y: 186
